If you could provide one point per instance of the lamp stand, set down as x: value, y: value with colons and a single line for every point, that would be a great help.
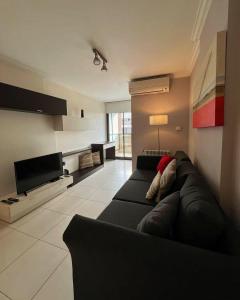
x: 158, y: 139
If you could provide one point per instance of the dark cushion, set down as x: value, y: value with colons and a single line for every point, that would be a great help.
x: 124, y: 213
x: 200, y: 220
x: 145, y: 162
x: 143, y: 175
x: 134, y: 191
x: 161, y: 219
x: 184, y: 168
x: 181, y: 156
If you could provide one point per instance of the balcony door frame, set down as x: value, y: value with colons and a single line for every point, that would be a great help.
x: 123, y: 133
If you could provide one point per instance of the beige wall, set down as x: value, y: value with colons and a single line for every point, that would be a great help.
x: 230, y: 187
x: 176, y: 105
x: 25, y: 135
x: 205, y: 144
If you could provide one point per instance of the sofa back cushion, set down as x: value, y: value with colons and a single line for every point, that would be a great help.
x: 184, y: 168
x: 200, y: 221
x: 181, y: 156
x: 161, y: 219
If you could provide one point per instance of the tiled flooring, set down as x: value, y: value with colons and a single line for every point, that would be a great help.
x: 34, y: 261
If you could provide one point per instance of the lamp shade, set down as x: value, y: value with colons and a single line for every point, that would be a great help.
x: 158, y: 120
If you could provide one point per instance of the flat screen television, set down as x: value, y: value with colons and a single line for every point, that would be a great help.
x: 33, y: 172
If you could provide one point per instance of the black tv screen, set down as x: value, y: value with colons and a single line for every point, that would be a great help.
x: 34, y: 172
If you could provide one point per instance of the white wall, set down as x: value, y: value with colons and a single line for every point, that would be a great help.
x: 118, y: 106
x: 25, y: 135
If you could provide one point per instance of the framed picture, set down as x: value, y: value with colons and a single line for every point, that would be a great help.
x: 208, y: 105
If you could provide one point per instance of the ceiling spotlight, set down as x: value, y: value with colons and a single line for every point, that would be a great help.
x: 104, y: 67
x: 97, y: 59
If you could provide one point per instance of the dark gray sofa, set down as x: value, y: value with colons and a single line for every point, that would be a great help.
x: 113, y: 261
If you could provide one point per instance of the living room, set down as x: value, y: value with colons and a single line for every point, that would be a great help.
x: 119, y: 126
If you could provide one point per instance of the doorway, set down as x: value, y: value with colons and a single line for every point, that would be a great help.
x: 120, y: 132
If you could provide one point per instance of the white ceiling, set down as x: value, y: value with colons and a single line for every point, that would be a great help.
x: 138, y: 37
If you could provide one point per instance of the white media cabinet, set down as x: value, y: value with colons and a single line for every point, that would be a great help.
x: 33, y: 199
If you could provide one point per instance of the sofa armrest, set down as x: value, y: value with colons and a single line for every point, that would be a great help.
x: 114, y: 263
x: 145, y: 162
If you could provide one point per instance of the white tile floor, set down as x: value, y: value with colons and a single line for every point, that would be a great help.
x: 34, y: 261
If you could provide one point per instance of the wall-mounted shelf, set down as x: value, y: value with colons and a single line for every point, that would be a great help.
x: 72, y: 123
x: 19, y: 99
x: 79, y: 175
x: 77, y: 151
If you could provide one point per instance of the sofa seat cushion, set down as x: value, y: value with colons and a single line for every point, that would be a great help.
x: 200, y: 220
x: 134, y: 191
x: 124, y: 213
x: 143, y: 175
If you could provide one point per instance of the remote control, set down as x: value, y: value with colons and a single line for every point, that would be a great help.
x: 7, y: 202
x: 13, y: 199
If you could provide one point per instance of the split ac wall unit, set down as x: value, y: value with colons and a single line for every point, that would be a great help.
x: 150, y: 85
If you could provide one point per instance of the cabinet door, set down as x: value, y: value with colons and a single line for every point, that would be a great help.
x: 15, y: 98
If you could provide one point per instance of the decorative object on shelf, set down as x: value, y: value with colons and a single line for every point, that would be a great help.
x: 208, y: 101
x: 107, y: 150
x: 96, y: 158
x: 158, y: 120
x: 97, y: 59
x: 65, y: 172
x: 85, y: 161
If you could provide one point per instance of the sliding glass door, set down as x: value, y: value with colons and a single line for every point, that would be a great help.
x: 120, y: 132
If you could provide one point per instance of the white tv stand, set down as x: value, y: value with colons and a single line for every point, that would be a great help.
x: 33, y: 199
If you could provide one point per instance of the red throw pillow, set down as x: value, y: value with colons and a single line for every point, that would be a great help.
x: 164, y: 161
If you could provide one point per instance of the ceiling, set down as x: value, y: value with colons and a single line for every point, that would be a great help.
x: 138, y: 37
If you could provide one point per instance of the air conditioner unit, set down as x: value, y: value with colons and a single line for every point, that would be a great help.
x: 151, y: 85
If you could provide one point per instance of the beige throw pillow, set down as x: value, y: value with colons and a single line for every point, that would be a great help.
x: 85, y: 161
x: 96, y: 158
x: 167, y: 179
x: 154, y: 187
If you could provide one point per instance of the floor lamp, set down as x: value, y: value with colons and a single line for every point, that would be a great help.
x: 158, y: 120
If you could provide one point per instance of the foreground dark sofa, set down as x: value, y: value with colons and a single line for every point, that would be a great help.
x: 113, y: 261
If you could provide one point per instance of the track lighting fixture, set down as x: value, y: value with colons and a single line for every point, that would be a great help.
x: 97, y: 59
x: 104, y: 67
